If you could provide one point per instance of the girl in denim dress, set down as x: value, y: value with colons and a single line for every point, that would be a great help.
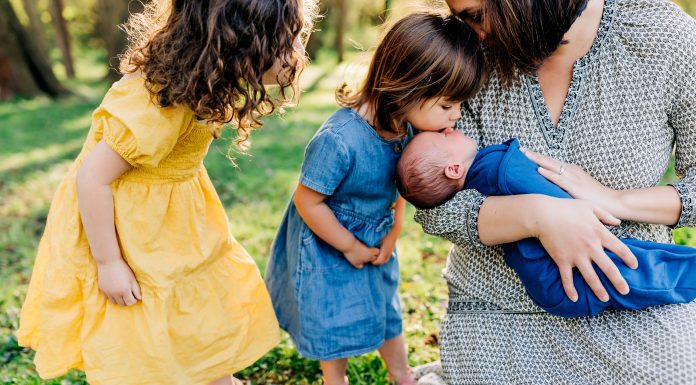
x: 333, y: 270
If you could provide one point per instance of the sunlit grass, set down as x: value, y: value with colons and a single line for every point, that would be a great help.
x: 43, y: 136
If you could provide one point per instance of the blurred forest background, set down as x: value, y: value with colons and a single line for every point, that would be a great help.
x: 57, y: 59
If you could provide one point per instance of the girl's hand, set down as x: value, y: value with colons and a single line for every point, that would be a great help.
x: 577, y: 182
x: 572, y: 232
x: 358, y: 254
x: 117, y: 282
x: 387, y: 248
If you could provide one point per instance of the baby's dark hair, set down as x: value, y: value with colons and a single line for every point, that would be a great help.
x: 421, y: 180
x: 211, y: 56
x: 424, y: 55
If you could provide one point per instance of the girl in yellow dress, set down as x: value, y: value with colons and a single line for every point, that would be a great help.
x: 137, y: 278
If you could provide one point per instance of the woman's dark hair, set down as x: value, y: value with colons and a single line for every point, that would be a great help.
x: 211, y: 55
x: 522, y: 33
x: 422, y: 56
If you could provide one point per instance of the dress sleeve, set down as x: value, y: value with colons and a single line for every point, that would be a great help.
x: 682, y: 114
x: 136, y: 128
x: 326, y: 164
x: 457, y: 219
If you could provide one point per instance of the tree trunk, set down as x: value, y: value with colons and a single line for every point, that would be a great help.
x: 341, y: 17
x: 111, y: 14
x: 36, y: 26
x: 55, y: 7
x: 316, y: 41
x: 23, y: 70
x: 387, y: 9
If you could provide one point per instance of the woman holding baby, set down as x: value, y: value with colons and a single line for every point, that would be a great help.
x: 600, y: 92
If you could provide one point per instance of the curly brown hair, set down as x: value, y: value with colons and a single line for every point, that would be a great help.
x: 422, y: 56
x: 211, y: 56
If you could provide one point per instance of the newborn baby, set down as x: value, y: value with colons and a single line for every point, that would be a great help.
x: 436, y: 165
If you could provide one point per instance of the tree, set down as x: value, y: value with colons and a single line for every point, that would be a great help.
x: 35, y: 25
x: 341, y: 20
x: 111, y: 14
x: 23, y: 69
x: 55, y: 7
x: 387, y: 9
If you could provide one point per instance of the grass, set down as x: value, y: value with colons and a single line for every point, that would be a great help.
x: 42, y: 136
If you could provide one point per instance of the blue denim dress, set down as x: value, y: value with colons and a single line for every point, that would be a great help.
x: 331, y: 309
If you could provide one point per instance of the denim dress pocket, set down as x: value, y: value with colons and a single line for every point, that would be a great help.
x: 318, y: 256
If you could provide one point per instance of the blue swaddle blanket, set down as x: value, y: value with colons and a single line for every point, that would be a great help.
x: 666, y: 273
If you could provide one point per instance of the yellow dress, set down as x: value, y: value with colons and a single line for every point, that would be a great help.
x: 205, y: 311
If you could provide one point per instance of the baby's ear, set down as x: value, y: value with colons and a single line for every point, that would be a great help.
x: 455, y: 170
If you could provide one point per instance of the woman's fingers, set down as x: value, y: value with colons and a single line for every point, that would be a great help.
x: 613, y: 244
x: 608, y: 267
x: 543, y: 160
x: 567, y: 281
x: 606, y: 217
x: 590, y: 276
x: 554, y: 177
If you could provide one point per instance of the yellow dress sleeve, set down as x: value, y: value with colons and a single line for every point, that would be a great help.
x: 135, y: 127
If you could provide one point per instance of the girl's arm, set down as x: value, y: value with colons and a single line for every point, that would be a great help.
x: 322, y: 221
x: 101, y: 167
x: 389, y: 241
x: 572, y: 231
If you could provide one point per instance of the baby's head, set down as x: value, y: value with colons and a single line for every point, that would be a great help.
x: 433, y: 167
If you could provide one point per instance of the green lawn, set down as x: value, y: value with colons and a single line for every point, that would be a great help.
x: 41, y: 137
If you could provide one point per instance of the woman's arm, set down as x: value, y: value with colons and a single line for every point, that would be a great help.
x: 322, y: 221
x: 101, y: 167
x: 572, y: 231
x: 660, y: 205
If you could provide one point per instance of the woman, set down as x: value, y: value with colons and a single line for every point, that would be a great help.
x: 609, y: 86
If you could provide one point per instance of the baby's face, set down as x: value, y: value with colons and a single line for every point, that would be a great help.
x: 436, y: 114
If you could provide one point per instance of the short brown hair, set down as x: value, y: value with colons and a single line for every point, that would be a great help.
x: 522, y: 33
x: 211, y: 55
x: 423, y: 55
x: 421, y: 180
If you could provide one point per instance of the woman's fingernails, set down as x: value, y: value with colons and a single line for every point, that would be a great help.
x: 604, y: 298
x: 574, y: 298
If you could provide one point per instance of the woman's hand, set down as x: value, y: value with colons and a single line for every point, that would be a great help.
x: 117, y: 282
x: 577, y: 182
x: 358, y: 254
x: 572, y: 232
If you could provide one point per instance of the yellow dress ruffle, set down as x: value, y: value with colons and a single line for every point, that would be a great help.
x: 205, y: 310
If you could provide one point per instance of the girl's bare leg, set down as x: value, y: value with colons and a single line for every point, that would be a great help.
x: 334, y: 371
x: 393, y: 353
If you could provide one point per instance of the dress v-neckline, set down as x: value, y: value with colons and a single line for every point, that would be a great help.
x: 555, y: 134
